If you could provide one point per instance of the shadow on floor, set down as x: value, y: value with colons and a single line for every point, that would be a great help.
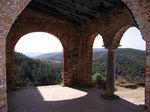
x: 31, y: 100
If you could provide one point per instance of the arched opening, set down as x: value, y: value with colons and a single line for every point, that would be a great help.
x: 132, y: 38
x: 98, y: 60
x: 129, y: 64
x: 38, y: 42
x: 38, y: 61
x: 130, y: 67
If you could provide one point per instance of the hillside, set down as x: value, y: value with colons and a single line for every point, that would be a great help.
x: 97, y: 53
x: 56, y: 56
x: 46, y: 70
x: 129, y: 64
x: 30, y: 72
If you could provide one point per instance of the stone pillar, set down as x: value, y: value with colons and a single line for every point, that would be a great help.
x: 10, y: 68
x: 147, y: 77
x: 110, y: 73
x: 3, y: 94
x: 147, y: 87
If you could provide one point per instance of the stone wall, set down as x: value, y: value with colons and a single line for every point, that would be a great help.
x: 3, y: 95
x: 141, y: 12
x: 107, y: 29
x: 69, y: 35
x: 9, y: 11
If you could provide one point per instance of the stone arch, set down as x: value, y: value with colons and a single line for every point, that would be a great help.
x: 140, y: 11
x: 91, y: 39
x: 118, y: 36
x: 117, y: 40
x: 11, y: 41
x: 86, y: 81
x: 17, y: 37
x: 61, y: 29
x: 20, y: 28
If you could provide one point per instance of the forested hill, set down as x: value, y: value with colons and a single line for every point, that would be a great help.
x: 58, y: 56
x: 55, y: 56
x: 31, y: 72
x: 129, y: 63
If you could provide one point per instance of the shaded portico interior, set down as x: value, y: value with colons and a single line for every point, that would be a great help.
x: 75, y: 23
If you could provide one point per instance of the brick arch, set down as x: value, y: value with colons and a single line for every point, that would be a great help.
x: 20, y: 29
x: 10, y: 57
x: 10, y: 11
x: 140, y: 11
x: 86, y: 81
x: 91, y: 39
x: 19, y: 36
x: 54, y: 26
x: 118, y: 36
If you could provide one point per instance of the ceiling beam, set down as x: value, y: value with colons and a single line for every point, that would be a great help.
x: 64, y: 11
x: 52, y: 11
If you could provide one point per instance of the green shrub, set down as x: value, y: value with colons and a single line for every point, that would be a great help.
x: 99, y: 80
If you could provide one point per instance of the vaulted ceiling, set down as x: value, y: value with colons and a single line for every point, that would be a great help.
x: 77, y: 11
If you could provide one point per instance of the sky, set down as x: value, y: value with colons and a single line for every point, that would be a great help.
x: 132, y: 38
x: 39, y: 42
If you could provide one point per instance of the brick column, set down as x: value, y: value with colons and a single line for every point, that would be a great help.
x: 66, y: 79
x: 87, y: 68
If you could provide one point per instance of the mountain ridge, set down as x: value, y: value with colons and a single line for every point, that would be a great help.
x: 58, y: 56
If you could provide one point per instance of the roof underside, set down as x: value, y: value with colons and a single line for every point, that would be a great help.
x: 76, y: 11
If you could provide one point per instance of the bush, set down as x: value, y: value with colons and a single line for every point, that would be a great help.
x: 99, y: 80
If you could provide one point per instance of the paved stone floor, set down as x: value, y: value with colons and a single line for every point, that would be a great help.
x: 64, y: 99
